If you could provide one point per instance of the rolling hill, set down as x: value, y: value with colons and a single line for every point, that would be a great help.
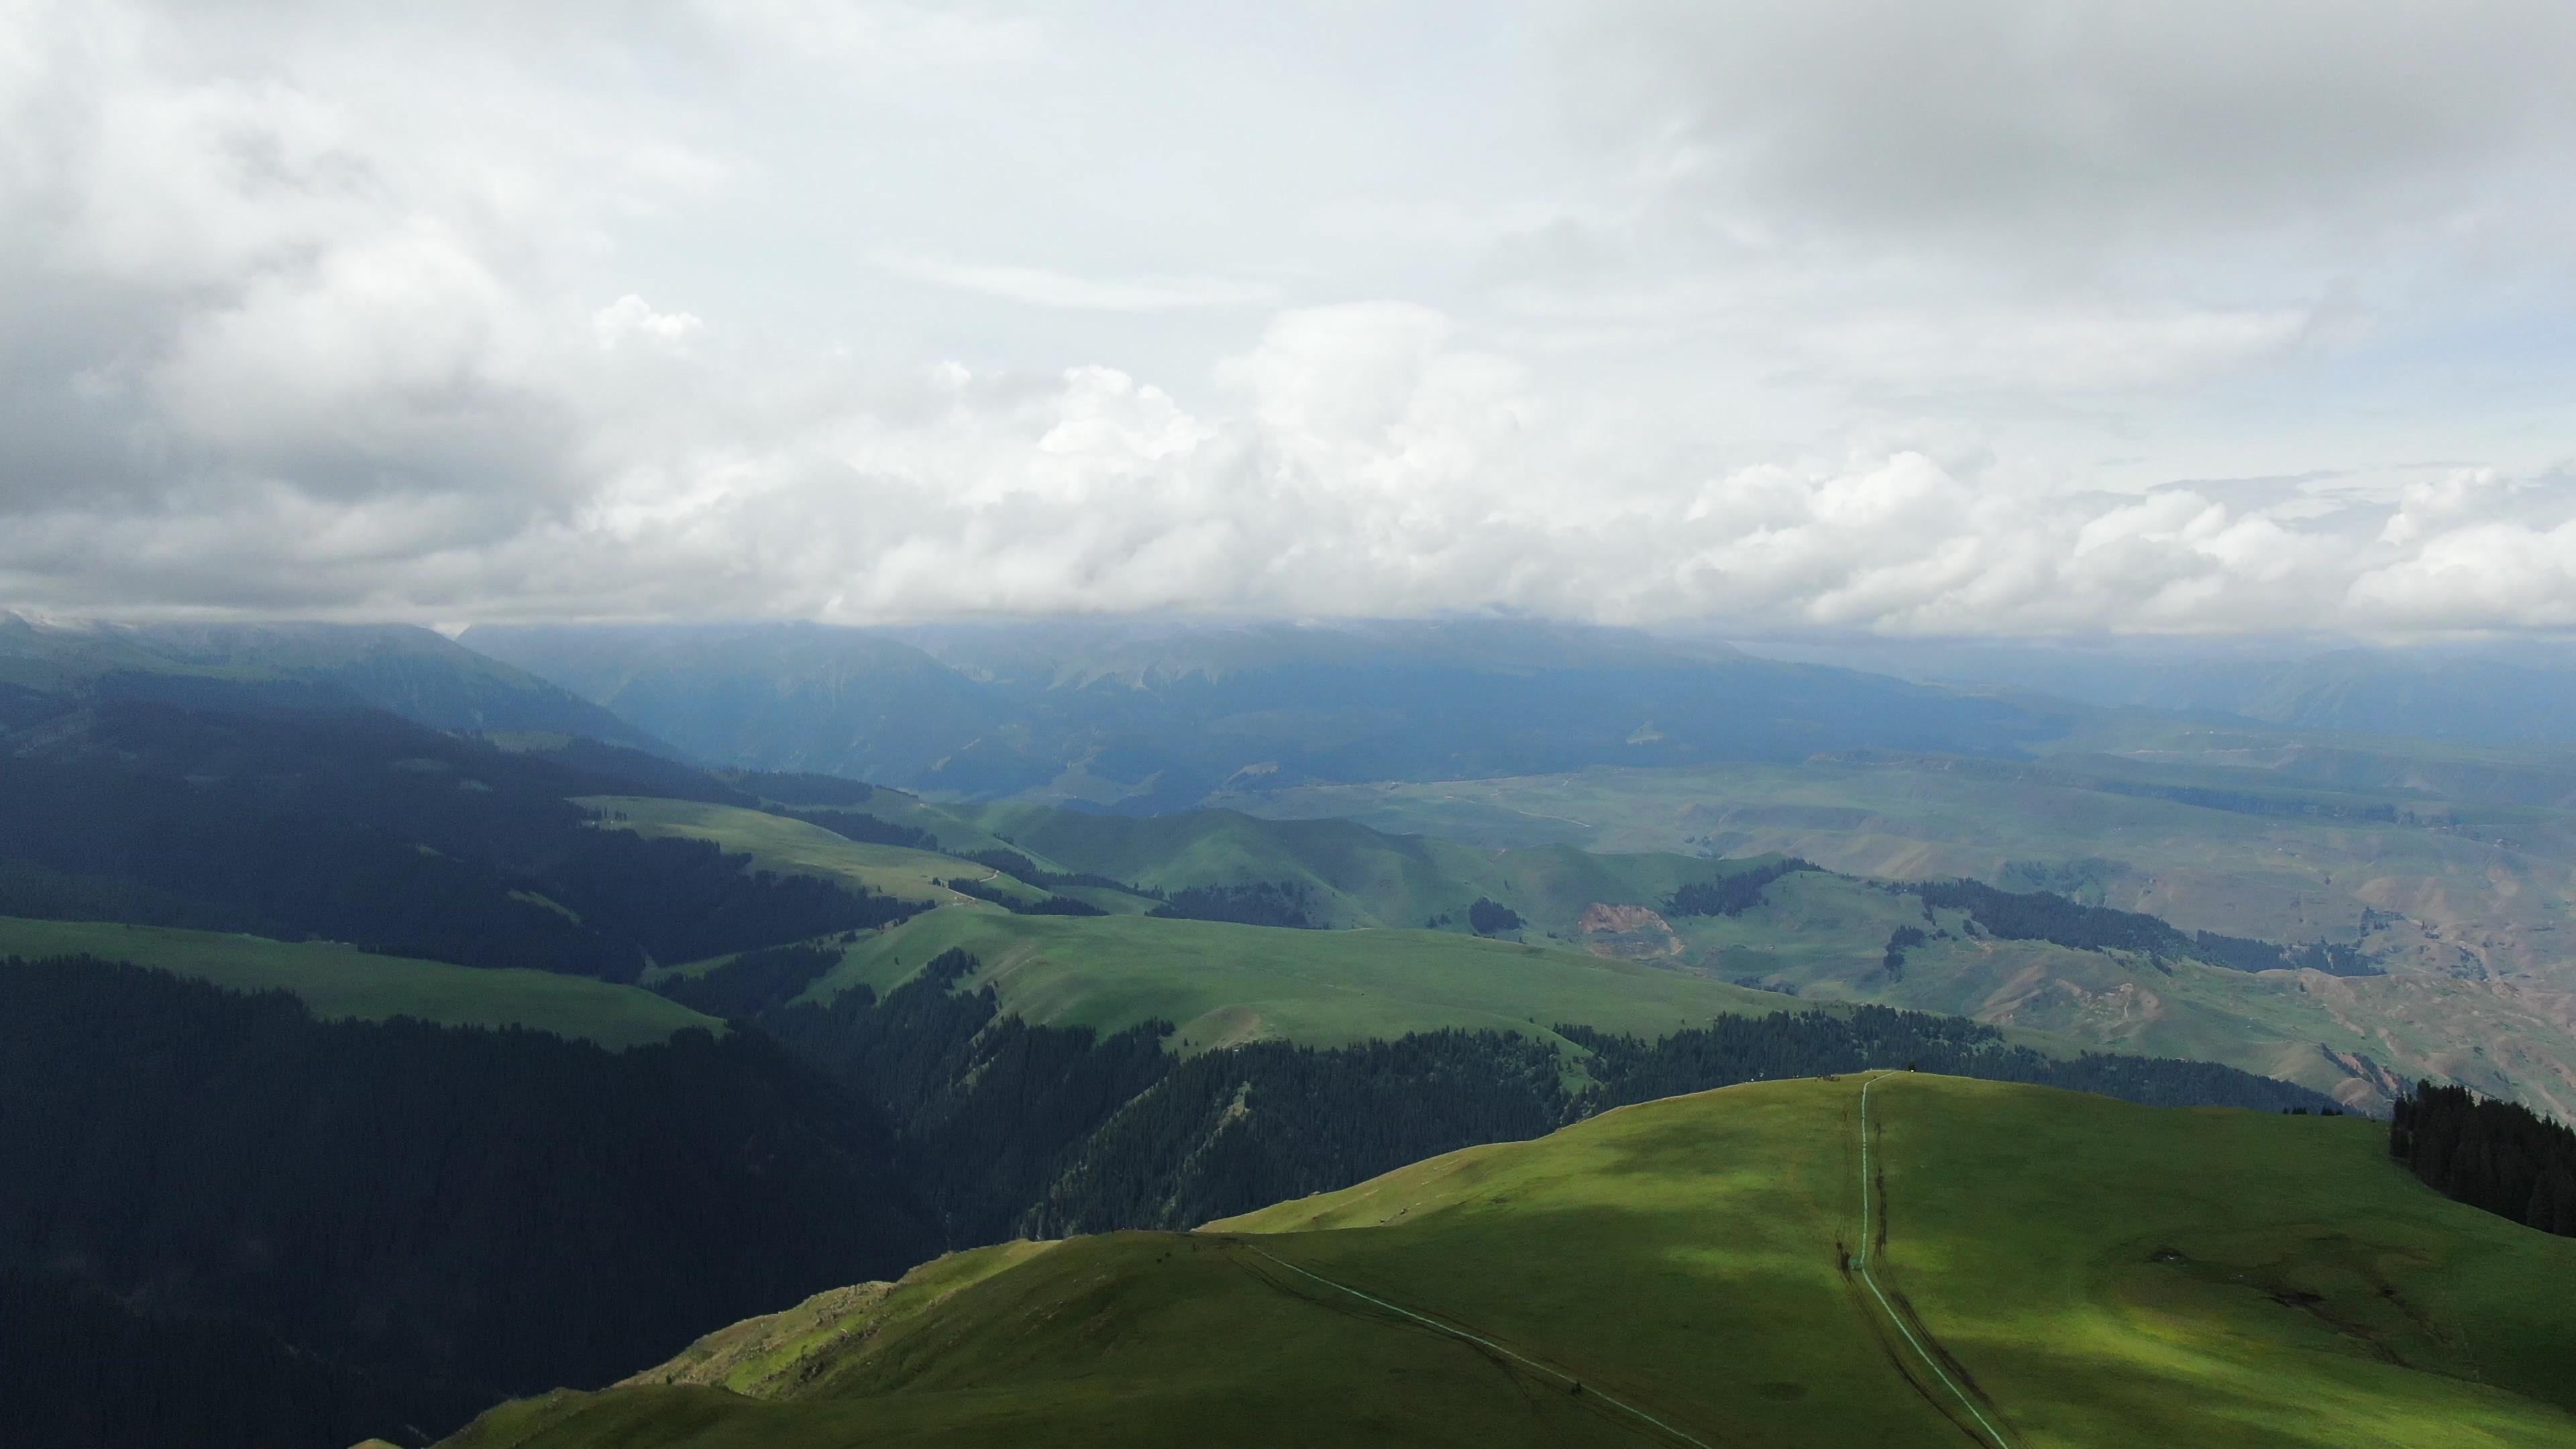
x: 1599, y: 945
x: 2043, y: 1268
x: 2446, y: 866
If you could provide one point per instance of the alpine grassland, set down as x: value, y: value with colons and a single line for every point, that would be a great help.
x: 338, y: 982
x: 783, y: 843
x: 2053, y: 1269
x: 1399, y: 953
x: 1224, y: 984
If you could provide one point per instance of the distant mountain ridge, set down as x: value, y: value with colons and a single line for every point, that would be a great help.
x: 2493, y: 693
x: 416, y: 673
x: 1151, y: 716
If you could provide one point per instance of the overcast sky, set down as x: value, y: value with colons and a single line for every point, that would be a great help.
x: 1963, y: 318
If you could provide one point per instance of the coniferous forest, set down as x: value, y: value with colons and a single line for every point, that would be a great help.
x: 2497, y: 1155
x: 294, y: 1214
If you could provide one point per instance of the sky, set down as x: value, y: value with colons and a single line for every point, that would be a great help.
x: 1984, y: 318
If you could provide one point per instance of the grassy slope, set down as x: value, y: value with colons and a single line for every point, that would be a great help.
x: 777, y: 843
x: 2107, y: 1275
x: 2484, y: 959
x: 1225, y: 984
x: 1820, y: 934
x: 1358, y: 876
x: 340, y: 981
x: 1824, y: 936
x: 2277, y: 878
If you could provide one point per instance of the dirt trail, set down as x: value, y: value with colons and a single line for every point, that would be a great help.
x: 1544, y: 1369
x: 1869, y: 1232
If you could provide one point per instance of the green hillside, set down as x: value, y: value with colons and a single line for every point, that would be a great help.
x: 1358, y: 876
x: 2462, y: 898
x: 1225, y: 984
x: 341, y: 982
x: 775, y: 842
x: 2069, y: 1270
x: 1616, y: 960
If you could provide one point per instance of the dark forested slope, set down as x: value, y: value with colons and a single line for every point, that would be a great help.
x: 357, y: 826
x: 275, y: 1221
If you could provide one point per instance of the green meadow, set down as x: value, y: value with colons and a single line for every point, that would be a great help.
x: 1223, y: 984
x: 2089, y: 1272
x: 342, y: 982
x: 1382, y: 974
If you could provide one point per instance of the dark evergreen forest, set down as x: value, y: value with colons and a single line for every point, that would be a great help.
x: 2043, y: 916
x: 1262, y: 903
x: 1731, y: 895
x: 867, y: 829
x: 2496, y: 1155
x: 1051, y: 905
x: 272, y: 1220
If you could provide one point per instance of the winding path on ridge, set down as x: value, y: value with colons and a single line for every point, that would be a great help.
x: 1861, y: 1264
x: 1869, y: 1279
x: 1548, y: 1370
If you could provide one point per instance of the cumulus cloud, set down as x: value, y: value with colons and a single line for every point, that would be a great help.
x: 301, y: 314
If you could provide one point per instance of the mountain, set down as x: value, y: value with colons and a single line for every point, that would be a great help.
x: 2493, y: 694
x: 1786, y: 1263
x: 415, y: 673
x: 1148, y: 717
x: 358, y: 827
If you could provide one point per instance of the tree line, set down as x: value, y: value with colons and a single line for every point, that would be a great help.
x: 2046, y: 916
x: 2488, y: 1153
x: 1732, y: 895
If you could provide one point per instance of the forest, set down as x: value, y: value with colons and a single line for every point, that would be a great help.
x: 433, y: 1218
x: 1732, y: 895
x: 1261, y: 903
x: 2488, y: 1153
x: 2044, y: 916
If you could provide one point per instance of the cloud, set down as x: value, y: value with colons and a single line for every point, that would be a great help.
x: 2106, y: 124
x: 552, y: 314
x: 2052, y: 350
x: 1040, y: 287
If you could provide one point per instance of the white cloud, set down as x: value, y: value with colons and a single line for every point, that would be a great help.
x: 1040, y: 287
x: 631, y: 321
x: 304, y: 309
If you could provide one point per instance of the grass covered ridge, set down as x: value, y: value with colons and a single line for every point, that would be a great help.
x: 1226, y: 984
x: 339, y: 982
x: 2104, y: 1275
